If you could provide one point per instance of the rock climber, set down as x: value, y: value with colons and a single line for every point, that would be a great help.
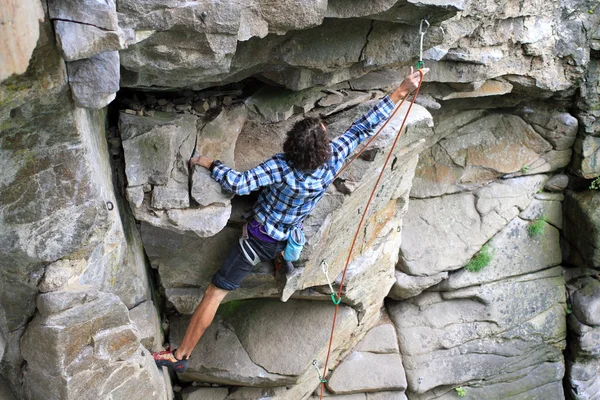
x: 292, y: 183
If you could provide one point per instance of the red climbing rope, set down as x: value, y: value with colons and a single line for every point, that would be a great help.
x: 339, y: 294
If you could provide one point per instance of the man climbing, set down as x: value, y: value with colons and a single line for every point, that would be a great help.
x: 292, y: 183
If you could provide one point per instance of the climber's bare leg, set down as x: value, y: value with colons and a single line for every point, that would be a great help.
x: 202, y: 318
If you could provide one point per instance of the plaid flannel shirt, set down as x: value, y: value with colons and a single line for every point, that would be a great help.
x: 289, y: 195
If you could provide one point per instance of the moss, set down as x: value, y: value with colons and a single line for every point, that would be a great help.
x: 595, y: 185
x: 461, y: 391
x: 229, y: 308
x: 480, y: 260
x: 536, y: 227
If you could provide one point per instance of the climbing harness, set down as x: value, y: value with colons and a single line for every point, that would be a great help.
x: 324, y: 265
x: 250, y: 254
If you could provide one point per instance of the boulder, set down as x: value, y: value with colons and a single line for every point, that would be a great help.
x: 586, y: 302
x: 559, y: 128
x: 270, y: 104
x: 586, y: 157
x: 557, y: 183
x: 408, y: 286
x: 146, y: 321
x: 94, y: 338
x: 78, y: 41
x: 262, y: 342
x: 380, y: 339
x: 94, y: 81
x: 217, y: 140
x: 377, y: 372
x: 102, y: 14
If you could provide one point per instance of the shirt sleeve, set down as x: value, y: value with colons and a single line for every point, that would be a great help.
x: 267, y: 173
x: 362, y: 128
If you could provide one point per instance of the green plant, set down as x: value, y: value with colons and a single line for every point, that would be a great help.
x: 461, y: 391
x: 595, y: 185
x: 480, y: 260
x: 569, y: 309
x: 536, y: 227
x: 525, y: 169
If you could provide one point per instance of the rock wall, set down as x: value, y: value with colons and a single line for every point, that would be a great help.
x: 476, y: 273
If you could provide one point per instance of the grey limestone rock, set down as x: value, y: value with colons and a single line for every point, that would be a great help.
x: 380, y: 339
x: 78, y: 41
x: 99, y: 13
x: 378, y: 372
x: 557, y: 183
x: 95, y: 81
x: 249, y: 342
x: 58, y: 273
x: 217, y: 140
x: 583, y: 379
x: 95, y: 337
x: 585, y: 158
x: 518, y: 321
x: 582, y: 240
x: 147, y: 323
x: 407, y: 286
x: 443, y: 233
x: 586, y: 302
x: 204, y: 393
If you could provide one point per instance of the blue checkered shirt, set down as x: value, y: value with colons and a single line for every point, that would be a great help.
x: 290, y: 195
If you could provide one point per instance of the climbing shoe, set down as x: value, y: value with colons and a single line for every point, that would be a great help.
x: 167, y: 359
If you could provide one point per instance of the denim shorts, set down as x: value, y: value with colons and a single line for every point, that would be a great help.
x: 236, y: 267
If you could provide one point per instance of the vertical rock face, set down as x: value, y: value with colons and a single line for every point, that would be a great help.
x: 64, y: 234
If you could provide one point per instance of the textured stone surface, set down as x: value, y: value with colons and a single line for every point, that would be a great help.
x: 95, y: 81
x: 146, y: 321
x: 519, y: 321
x: 581, y: 209
x: 583, y: 379
x: 250, y: 342
x: 443, y: 233
x: 78, y: 41
x: 408, y: 286
x: 19, y: 30
x: 205, y: 394
x: 378, y: 372
x: 102, y: 14
x: 92, y: 339
x: 511, y: 251
x: 480, y: 152
x: 217, y: 140
x: 380, y: 339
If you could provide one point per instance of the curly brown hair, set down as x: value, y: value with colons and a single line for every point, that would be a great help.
x: 306, y: 146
